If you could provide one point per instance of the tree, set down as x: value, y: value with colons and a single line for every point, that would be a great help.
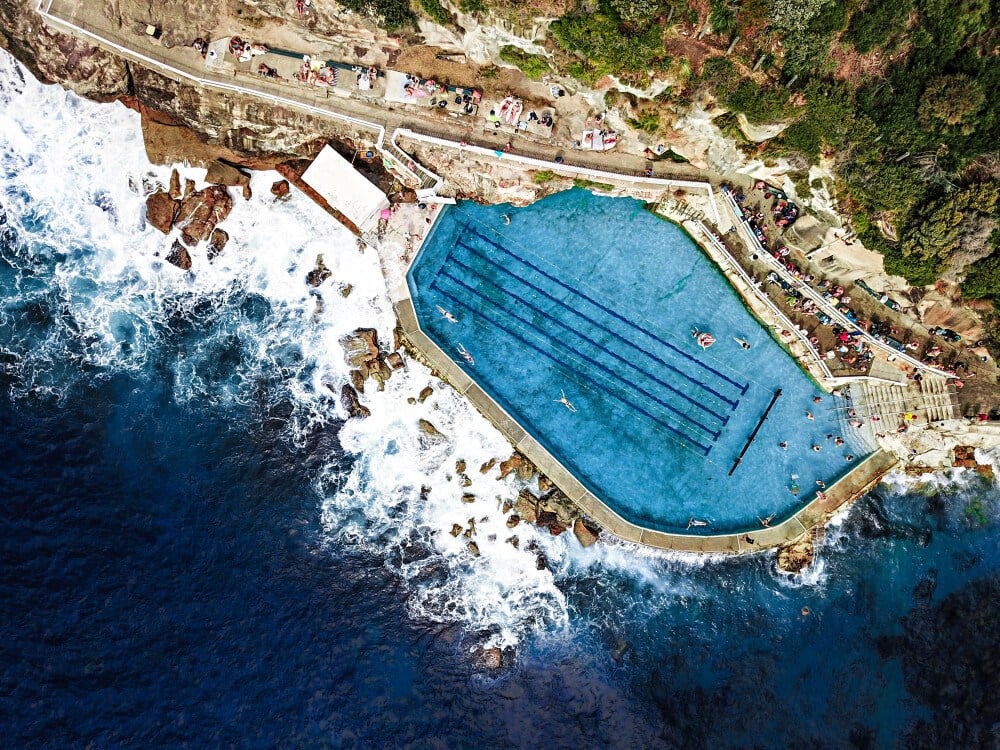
x: 940, y: 226
x: 950, y: 100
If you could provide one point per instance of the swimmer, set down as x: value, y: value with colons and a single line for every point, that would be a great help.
x: 817, y: 400
x: 506, y: 218
x: 465, y: 354
x: 565, y: 402
x: 744, y: 344
x: 809, y: 416
x: 783, y: 445
x: 765, y: 522
x: 848, y: 457
x: 821, y: 484
x: 696, y: 522
x: 817, y: 448
x: 446, y: 314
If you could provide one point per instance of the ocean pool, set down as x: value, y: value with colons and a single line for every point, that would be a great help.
x: 589, y: 302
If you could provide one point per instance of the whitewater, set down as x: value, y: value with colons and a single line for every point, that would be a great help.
x: 647, y: 644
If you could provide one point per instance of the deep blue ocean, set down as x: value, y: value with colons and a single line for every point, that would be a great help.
x: 197, y: 551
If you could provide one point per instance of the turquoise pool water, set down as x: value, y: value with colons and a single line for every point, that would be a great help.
x: 595, y: 299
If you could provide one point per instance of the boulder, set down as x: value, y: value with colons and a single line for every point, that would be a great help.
x: 490, y: 658
x: 175, y: 185
x: 468, y: 498
x: 518, y: 464
x: 513, y: 520
x: 352, y: 404
x: 220, y: 173
x: 584, y: 533
x: 319, y: 274
x: 280, y: 189
x: 485, y: 468
x: 217, y: 242
x: 549, y: 520
x: 456, y: 529
x: 361, y: 347
x: 345, y: 290
x: 179, y: 256
x: 473, y: 548
x: 527, y: 506
x: 247, y: 192
x: 395, y: 361
x: 161, y: 210
x: 514, y: 541
x: 188, y: 188
x: 544, y: 484
x: 796, y: 556
x: 429, y: 429
x: 425, y: 393
x: 201, y: 211
x: 460, y: 466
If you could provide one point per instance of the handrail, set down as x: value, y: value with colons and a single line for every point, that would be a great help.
x: 832, y: 311
x: 775, y: 310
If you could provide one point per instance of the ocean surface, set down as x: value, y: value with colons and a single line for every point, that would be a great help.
x: 198, y: 551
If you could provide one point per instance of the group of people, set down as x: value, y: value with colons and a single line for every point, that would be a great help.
x: 316, y: 74
x: 243, y: 50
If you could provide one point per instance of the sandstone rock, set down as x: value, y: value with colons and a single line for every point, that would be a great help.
x: 349, y: 400
x: 429, y: 429
x: 161, y: 210
x: 280, y: 189
x: 518, y: 464
x: 473, y: 548
x: 219, y: 173
x: 319, y: 274
x: 247, y: 192
x: 175, y: 185
x: 456, y: 529
x: 797, y: 556
x: 544, y: 484
x: 514, y: 542
x: 395, y: 361
x: 360, y: 348
x: 584, y: 534
x: 468, y: 498
x: 217, y: 242
x: 188, y: 188
x: 397, y: 337
x: 345, y: 290
x: 464, y: 480
x: 201, y: 211
x: 357, y: 380
x: 460, y: 466
x: 508, y: 505
x: 549, y: 520
x: 179, y: 256
x: 527, y: 506
x: 513, y: 520
x: 485, y: 468
x: 425, y: 394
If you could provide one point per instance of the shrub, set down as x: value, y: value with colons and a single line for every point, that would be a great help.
x: 542, y: 176
x: 601, y: 40
x: 392, y: 14
x: 435, y: 10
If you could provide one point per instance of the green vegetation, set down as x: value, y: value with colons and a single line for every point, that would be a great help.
x: 542, y: 176
x: 533, y: 66
x: 589, y: 185
x: 620, y: 37
x: 435, y: 10
x: 647, y: 121
x: 392, y: 14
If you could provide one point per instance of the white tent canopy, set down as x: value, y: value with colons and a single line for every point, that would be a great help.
x: 346, y: 189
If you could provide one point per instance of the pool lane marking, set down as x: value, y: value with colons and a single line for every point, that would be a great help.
x: 724, y: 419
x: 687, y: 438
x: 617, y: 336
x: 741, y: 386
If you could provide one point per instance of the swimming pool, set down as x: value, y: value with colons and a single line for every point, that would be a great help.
x: 578, y: 318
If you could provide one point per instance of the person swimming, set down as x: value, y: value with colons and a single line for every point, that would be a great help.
x: 744, y: 344
x: 506, y: 218
x: 565, y: 402
x: 696, y: 522
x: 766, y: 522
x: 446, y: 314
x: 465, y: 354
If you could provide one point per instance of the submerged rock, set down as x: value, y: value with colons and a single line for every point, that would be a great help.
x: 485, y: 468
x: 395, y: 361
x: 319, y: 274
x: 280, y: 189
x: 468, y: 498
x: 425, y: 393
x: 473, y: 548
x: 456, y: 529
x: 490, y: 658
x: 161, y: 210
x: 179, y: 256
x: 429, y: 429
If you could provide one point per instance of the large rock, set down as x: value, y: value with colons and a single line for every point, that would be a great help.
x: 526, y: 506
x: 797, y: 556
x: 352, y: 404
x: 175, y: 185
x: 584, y: 534
x: 161, y: 210
x: 201, y: 211
x: 361, y: 347
x: 429, y: 429
x: 518, y: 464
x: 425, y: 393
x: 280, y: 189
x: 179, y: 256
x: 223, y: 174
x: 217, y: 242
